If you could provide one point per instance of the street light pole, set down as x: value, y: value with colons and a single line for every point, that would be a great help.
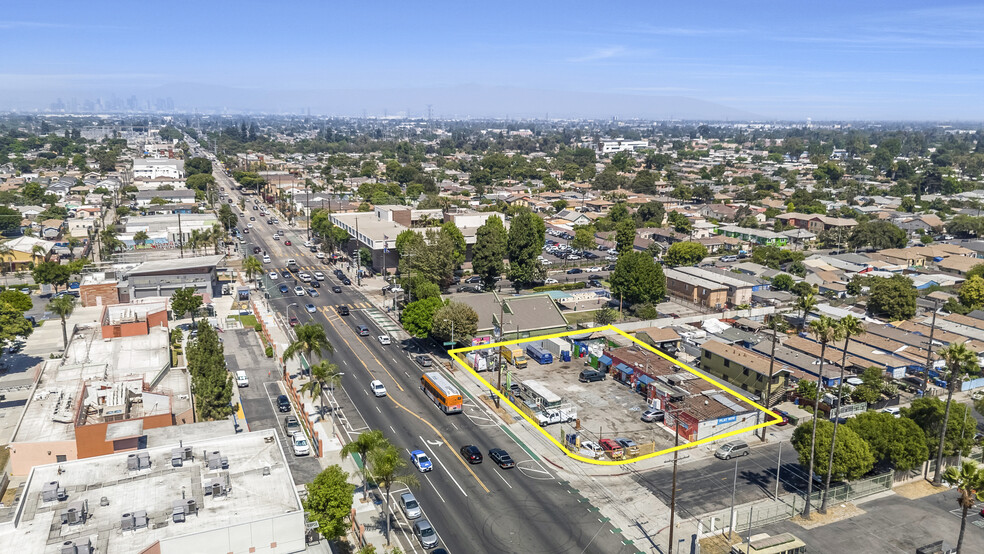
x: 734, y: 488
x: 676, y: 443
x: 499, y: 362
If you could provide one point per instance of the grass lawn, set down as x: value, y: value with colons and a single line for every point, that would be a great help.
x: 248, y: 321
x: 574, y: 318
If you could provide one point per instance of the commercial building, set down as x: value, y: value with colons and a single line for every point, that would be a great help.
x: 743, y: 368
x: 232, y: 493
x: 155, y: 168
x: 163, y: 277
x: 144, y: 198
x: 134, y: 319
x: 696, y: 290
x: 522, y: 317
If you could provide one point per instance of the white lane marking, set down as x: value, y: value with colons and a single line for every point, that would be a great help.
x: 378, y: 410
x: 499, y: 473
x: 392, y: 429
x: 434, y: 456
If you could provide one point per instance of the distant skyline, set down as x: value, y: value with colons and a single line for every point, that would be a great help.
x: 840, y: 60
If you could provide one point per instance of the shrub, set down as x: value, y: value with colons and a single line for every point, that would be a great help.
x: 560, y: 286
x: 258, y: 328
x: 269, y: 352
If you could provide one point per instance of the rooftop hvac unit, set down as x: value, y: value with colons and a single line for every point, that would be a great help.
x: 214, y: 460
x: 79, y: 546
x: 127, y: 522
x: 180, y: 455
x: 76, y: 513
x: 52, y: 492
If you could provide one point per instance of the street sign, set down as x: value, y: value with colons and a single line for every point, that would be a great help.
x: 449, y: 343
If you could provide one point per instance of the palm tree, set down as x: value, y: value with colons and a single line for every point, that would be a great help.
x: 806, y: 303
x: 324, y: 374
x: 364, y: 444
x: 850, y: 326
x: 63, y: 306
x: 969, y: 481
x: 140, y: 238
x: 252, y: 267
x: 959, y: 360
x: 778, y: 325
x: 389, y: 467
x: 38, y: 252
x: 311, y: 340
x: 215, y: 236
x: 73, y: 243
x: 5, y: 253
x: 825, y: 330
x: 195, y: 240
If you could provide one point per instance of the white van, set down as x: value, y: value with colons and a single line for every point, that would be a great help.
x: 241, y: 379
x: 591, y: 450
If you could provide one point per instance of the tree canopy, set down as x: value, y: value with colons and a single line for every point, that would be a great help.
x: 685, y: 253
x: 210, y: 381
x: 489, y: 251
x: 637, y: 278
x: 852, y: 456
x: 897, y: 442
x: 961, y: 427
x: 418, y: 317
x: 457, y: 318
x: 523, y: 245
x: 894, y: 298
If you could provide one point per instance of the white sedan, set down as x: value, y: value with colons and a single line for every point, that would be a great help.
x: 378, y: 389
x: 384, y: 339
x: 274, y: 276
x: 595, y: 268
x: 299, y: 291
x: 550, y: 282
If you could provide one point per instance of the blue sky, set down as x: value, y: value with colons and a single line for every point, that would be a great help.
x: 825, y: 60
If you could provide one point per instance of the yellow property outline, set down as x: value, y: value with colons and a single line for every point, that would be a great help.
x: 454, y: 354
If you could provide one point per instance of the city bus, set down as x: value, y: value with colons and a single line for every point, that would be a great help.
x: 442, y: 392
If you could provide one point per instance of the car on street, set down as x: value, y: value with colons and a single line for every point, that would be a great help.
x: 319, y: 276
x: 471, y: 454
x: 409, y: 505
x: 425, y: 533
x: 291, y: 425
x: 286, y: 274
x: 293, y: 321
x: 320, y: 255
x: 550, y: 281
x: 595, y: 268
x: 304, y: 277
x: 377, y: 387
x: 384, y: 339
x: 732, y: 449
x: 346, y: 281
x: 300, y: 443
x: 298, y: 291
x: 420, y: 461
x: 574, y: 271
x: 312, y: 292
x: 422, y: 360
x: 286, y: 243
x: 276, y: 236
x: 266, y: 260
x: 256, y: 249
x: 284, y: 289
x: 283, y: 403
x: 274, y: 276
x: 310, y: 308
x: 652, y: 414
x: 502, y: 458
x: 336, y: 288
x: 342, y: 310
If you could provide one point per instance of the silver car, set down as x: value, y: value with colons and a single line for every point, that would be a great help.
x: 425, y: 533
x: 409, y: 505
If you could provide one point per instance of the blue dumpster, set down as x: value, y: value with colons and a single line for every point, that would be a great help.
x: 566, y: 354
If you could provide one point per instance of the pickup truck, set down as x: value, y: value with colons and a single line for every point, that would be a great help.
x: 549, y: 417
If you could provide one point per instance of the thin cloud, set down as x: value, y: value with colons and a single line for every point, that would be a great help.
x: 600, y: 54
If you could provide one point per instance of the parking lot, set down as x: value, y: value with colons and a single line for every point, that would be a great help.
x: 604, y: 409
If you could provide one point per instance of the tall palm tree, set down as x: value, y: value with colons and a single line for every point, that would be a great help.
x: 252, y: 267
x: 195, y: 240
x: 311, y: 340
x: 825, y: 330
x: 389, y: 467
x: 324, y: 375
x: 778, y: 325
x: 63, y: 306
x: 850, y: 326
x: 5, y: 253
x: 38, y: 252
x: 969, y: 481
x: 362, y: 445
x: 959, y: 361
x: 140, y: 238
x: 806, y: 303
x: 215, y: 236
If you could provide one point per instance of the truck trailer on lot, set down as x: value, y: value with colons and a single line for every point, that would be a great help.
x: 555, y: 346
x: 541, y: 356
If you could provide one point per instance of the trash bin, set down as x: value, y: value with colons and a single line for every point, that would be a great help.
x: 566, y: 355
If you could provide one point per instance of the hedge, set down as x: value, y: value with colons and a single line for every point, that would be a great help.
x: 560, y: 286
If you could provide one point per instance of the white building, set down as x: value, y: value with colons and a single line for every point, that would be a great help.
x: 155, y: 168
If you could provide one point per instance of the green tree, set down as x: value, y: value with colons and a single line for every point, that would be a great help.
x: 852, y: 456
x: 418, y: 317
x: 253, y: 267
x: 872, y: 383
x: 389, y: 467
x: 877, y: 234
x: 894, y: 441
x: 583, y: 238
x: 523, y: 245
x: 430, y: 256
x: 969, y: 481
x: 559, y: 205
x: 457, y: 239
x: 365, y: 443
x: 185, y: 301
x: 959, y: 361
x: 625, y: 235
x: 971, y: 292
x: 329, y: 501
x: 893, y: 299
x: 637, y: 278
x: 960, y: 427
x: 457, y: 318
x: 210, y: 381
x: 805, y: 303
x: 489, y: 251
x: 782, y: 282
x: 17, y: 300
x: 198, y: 165
x: 606, y: 316
x: 63, y: 306
x: 140, y: 238
x: 51, y: 273
x: 825, y: 331
x: 12, y: 324
x: 227, y: 218
x: 324, y: 375
x: 847, y: 327
x: 685, y: 253
x: 311, y: 341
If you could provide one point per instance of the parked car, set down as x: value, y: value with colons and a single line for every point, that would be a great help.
x: 629, y: 445
x: 410, y: 506
x: 283, y: 403
x: 550, y: 282
x: 420, y: 461
x: 300, y: 443
x: 652, y: 415
x: 423, y: 360
x: 591, y: 375
x: 425, y: 534
x: 471, y: 454
x: 574, y: 271
x: 291, y: 425
x: 502, y: 458
x: 732, y: 449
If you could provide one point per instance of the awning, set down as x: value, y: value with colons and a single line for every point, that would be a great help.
x: 645, y: 379
x: 605, y: 360
x: 624, y: 369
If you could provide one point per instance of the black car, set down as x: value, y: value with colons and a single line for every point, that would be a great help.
x: 342, y: 310
x: 596, y: 277
x: 471, y: 454
x: 474, y: 279
x: 424, y: 361
x: 286, y: 274
x: 574, y: 270
x: 336, y: 288
x: 594, y: 283
x: 316, y: 283
x: 502, y: 458
x: 284, y: 289
x: 346, y: 281
x: 610, y: 267
x: 283, y: 403
x: 591, y: 375
x: 256, y: 249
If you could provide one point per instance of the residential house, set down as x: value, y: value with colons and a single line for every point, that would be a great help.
x: 757, y: 236
x: 696, y: 290
x: 744, y: 369
x: 817, y: 223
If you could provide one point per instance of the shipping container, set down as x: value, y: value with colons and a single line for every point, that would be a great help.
x: 541, y: 356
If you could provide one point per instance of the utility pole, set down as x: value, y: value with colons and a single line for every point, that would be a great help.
x: 734, y: 488
x: 358, y: 255
x: 181, y: 239
x: 676, y: 452
x: 929, y: 348
x: 499, y: 352
x: 772, y: 363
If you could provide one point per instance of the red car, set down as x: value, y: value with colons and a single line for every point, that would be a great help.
x: 286, y: 243
x: 293, y: 321
x: 783, y: 415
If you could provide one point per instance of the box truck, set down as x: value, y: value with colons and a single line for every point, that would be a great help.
x: 513, y: 356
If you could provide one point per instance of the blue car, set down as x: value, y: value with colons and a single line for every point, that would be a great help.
x: 310, y: 308
x: 313, y: 292
x: 421, y: 461
x: 284, y: 289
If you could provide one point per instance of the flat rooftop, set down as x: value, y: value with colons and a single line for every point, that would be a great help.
x: 260, y: 487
